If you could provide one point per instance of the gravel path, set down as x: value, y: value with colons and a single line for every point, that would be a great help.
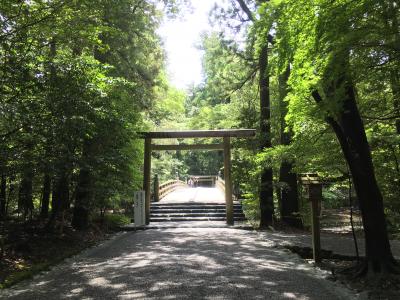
x: 182, y: 263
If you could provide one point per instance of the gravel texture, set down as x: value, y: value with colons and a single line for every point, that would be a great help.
x: 182, y: 263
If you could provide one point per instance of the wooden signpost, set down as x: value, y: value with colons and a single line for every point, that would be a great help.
x: 313, y: 189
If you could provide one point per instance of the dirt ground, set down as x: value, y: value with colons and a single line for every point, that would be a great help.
x: 29, y: 248
x: 336, y: 222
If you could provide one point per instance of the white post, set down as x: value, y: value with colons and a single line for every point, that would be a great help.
x: 139, y: 209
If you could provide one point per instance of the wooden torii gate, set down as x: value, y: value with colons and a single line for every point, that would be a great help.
x: 226, y: 134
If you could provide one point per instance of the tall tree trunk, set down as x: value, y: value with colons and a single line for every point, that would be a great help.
x: 25, y: 192
x: 44, y: 210
x: 266, y: 184
x: 83, y: 199
x: 288, y: 196
x: 60, y: 193
x: 349, y: 129
x: 60, y: 197
x: 11, y: 189
x: 84, y: 189
x: 3, y: 196
x: 54, y: 208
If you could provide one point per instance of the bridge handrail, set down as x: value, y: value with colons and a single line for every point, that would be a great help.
x: 203, y: 177
x: 167, y: 187
x: 220, y: 183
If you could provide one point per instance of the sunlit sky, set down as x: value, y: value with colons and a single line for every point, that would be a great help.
x: 180, y: 37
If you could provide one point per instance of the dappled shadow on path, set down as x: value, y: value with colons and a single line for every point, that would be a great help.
x: 180, y: 264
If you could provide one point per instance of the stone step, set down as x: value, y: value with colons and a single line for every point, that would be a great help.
x: 179, y: 219
x: 190, y: 210
x: 193, y: 211
x: 193, y: 207
x: 190, y: 203
x: 178, y: 214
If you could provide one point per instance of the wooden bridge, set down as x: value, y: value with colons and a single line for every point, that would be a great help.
x: 176, y: 201
x: 179, y: 191
x: 225, y: 146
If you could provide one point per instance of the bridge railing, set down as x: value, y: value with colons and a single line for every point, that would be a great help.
x: 161, y: 190
x: 199, y: 180
x: 220, y: 183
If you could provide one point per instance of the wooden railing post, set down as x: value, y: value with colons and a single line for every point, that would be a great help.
x: 146, y: 177
x: 228, y: 181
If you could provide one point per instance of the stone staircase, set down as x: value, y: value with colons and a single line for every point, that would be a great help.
x: 175, y: 212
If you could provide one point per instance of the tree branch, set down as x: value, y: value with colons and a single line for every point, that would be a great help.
x: 246, y: 10
x: 250, y: 15
x: 249, y: 77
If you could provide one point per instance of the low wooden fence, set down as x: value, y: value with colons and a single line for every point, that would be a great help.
x: 161, y: 190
